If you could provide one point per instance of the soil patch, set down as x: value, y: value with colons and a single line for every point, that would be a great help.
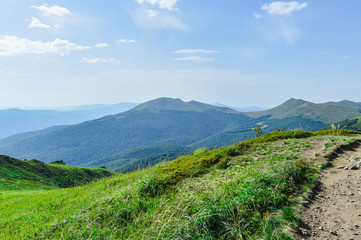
x: 334, y: 211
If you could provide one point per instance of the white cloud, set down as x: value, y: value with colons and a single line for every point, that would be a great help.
x: 257, y: 15
x: 35, y: 23
x: 331, y: 54
x: 283, y: 8
x: 162, y: 4
x: 53, y: 10
x: 152, y: 13
x: 195, y: 51
x: 146, y: 18
x: 122, y: 40
x: 101, y: 45
x: 13, y: 46
x: 99, y: 60
x: 195, y: 59
x: 196, y: 55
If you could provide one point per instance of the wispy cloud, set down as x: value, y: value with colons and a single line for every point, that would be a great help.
x: 122, y: 40
x: 345, y: 56
x: 35, y: 23
x: 162, y: 4
x: 13, y: 46
x: 195, y: 59
x: 53, y: 10
x: 278, y: 27
x: 196, y: 55
x: 99, y: 60
x: 286, y: 31
x: 158, y: 19
x: 152, y: 13
x: 101, y: 45
x: 330, y: 54
x: 195, y: 51
x: 283, y: 8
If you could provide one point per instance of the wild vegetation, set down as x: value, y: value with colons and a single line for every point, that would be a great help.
x: 33, y: 174
x: 250, y: 190
x: 348, y: 124
x: 142, y: 157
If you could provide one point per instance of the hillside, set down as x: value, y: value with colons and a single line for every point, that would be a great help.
x: 33, y: 174
x: 167, y: 121
x: 141, y: 157
x: 251, y: 190
x: 161, y: 121
x: 347, y: 103
x: 326, y: 113
x: 22, y: 136
x: 15, y: 121
x: 348, y: 124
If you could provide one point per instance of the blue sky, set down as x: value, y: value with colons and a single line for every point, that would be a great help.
x: 239, y: 53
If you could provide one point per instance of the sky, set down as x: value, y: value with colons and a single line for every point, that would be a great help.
x: 239, y: 53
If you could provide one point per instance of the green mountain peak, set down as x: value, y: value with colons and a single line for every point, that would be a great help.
x: 176, y: 104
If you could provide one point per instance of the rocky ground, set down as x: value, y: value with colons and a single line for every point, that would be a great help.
x: 334, y: 211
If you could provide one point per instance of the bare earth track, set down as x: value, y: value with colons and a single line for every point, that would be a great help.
x: 334, y: 211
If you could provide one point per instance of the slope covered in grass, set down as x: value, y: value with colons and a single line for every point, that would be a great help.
x: 33, y: 174
x: 246, y: 191
x: 348, y: 124
x: 325, y: 112
x: 141, y: 157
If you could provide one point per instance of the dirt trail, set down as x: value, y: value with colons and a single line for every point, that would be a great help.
x: 334, y: 211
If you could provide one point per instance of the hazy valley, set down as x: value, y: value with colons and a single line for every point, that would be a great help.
x: 175, y: 185
x: 166, y: 128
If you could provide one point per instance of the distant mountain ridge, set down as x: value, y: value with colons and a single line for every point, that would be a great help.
x: 168, y: 122
x: 15, y: 121
x: 242, y: 109
x: 175, y: 104
x: 22, y: 136
x: 323, y: 112
x: 161, y: 121
x: 347, y: 103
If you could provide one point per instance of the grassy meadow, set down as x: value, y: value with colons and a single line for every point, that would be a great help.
x: 250, y: 190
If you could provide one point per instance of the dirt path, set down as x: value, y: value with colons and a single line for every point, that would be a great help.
x: 334, y: 211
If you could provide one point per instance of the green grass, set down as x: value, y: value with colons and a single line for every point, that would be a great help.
x: 33, y: 174
x: 250, y: 190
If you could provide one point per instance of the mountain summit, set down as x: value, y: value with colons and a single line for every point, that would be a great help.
x: 162, y: 121
x: 175, y: 104
x: 324, y: 112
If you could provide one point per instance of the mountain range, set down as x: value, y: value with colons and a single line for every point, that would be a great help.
x: 165, y: 128
x: 15, y: 121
